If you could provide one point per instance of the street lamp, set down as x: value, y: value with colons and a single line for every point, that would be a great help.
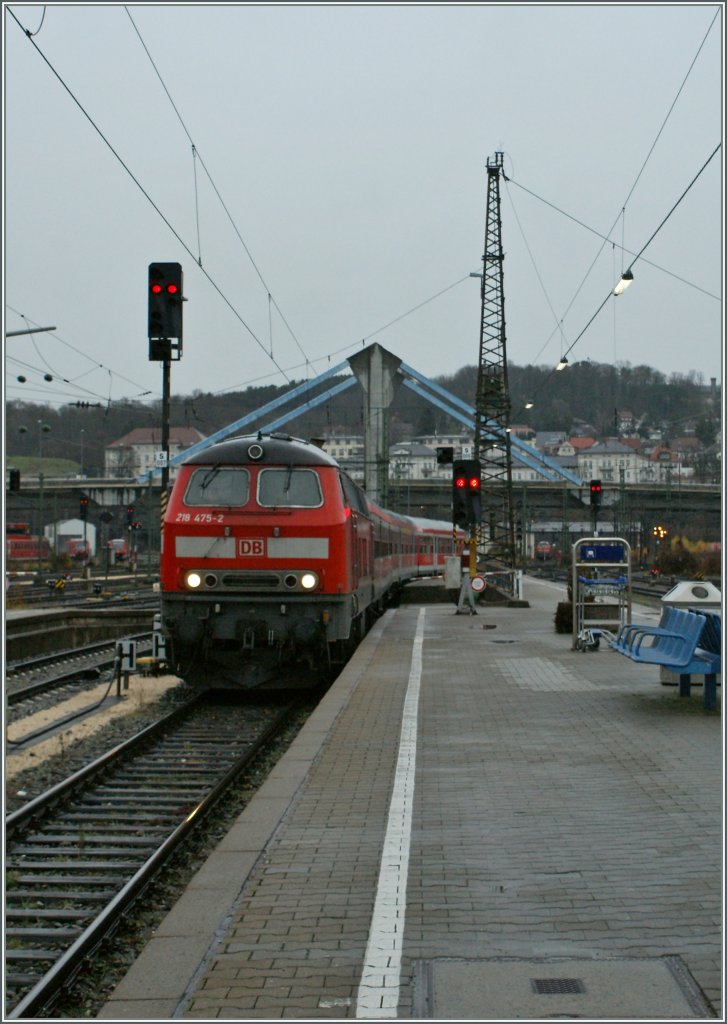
x: 563, y: 363
x: 626, y: 279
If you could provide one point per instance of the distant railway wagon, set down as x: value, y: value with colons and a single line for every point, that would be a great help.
x: 79, y: 550
x: 544, y: 550
x: 118, y: 549
x: 17, y: 529
x: 24, y: 548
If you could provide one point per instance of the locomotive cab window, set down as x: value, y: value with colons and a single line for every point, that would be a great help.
x: 353, y: 495
x: 213, y: 485
x: 291, y: 488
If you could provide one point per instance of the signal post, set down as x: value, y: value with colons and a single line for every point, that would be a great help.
x: 596, y: 491
x: 467, y: 512
x: 165, y: 344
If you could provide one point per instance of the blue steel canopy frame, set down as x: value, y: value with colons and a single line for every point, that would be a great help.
x: 270, y: 407
x: 425, y: 388
x: 465, y: 414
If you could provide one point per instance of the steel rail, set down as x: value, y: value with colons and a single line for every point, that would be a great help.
x: 106, y: 659
x: 49, y: 987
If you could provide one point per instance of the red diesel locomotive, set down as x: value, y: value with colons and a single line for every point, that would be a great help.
x: 273, y: 556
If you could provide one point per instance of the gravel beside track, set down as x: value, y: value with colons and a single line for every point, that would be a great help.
x: 92, y: 987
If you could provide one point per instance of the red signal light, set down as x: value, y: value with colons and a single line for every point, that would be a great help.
x: 474, y: 483
x: 172, y: 289
x: 156, y: 288
x: 460, y: 483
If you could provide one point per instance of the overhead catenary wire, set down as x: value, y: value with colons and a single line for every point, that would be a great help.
x: 352, y: 344
x: 146, y: 195
x: 73, y: 348
x: 671, y: 108
x: 606, y: 238
x: 638, y: 256
x: 280, y: 369
x: 622, y: 213
x: 558, y: 322
x: 197, y: 156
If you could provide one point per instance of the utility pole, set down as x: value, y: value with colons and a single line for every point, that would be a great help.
x: 41, y: 534
x: 492, y: 400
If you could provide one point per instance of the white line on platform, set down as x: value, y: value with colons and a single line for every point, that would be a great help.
x: 378, y: 993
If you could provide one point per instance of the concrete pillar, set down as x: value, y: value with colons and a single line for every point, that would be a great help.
x: 376, y: 370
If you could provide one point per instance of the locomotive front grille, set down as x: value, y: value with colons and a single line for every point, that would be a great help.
x: 265, y: 580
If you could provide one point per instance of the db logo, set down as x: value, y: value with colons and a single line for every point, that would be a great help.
x: 252, y: 547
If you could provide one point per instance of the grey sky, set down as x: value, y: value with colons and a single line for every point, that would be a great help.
x: 349, y: 144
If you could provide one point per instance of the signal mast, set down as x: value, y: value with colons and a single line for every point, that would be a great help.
x: 492, y: 400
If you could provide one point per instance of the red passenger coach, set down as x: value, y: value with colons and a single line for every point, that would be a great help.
x: 272, y: 556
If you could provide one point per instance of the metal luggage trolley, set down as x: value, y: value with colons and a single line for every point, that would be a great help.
x: 609, y: 562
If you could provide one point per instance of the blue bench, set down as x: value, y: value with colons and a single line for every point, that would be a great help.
x: 627, y: 634
x: 686, y: 642
x: 711, y: 639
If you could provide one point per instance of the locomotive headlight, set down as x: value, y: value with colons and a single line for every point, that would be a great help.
x: 309, y: 581
x: 193, y: 580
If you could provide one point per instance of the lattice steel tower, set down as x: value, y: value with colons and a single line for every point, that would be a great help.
x: 492, y: 401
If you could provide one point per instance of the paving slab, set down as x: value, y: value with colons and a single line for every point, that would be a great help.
x: 563, y: 808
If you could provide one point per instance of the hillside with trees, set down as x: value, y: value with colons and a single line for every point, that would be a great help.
x: 582, y: 399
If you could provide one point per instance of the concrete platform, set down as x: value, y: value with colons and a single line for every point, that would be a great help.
x: 477, y: 822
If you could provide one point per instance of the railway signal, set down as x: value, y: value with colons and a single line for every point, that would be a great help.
x: 459, y: 497
x: 595, y: 493
x: 466, y: 510
x: 130, y: 516
x: 83, y: 509
x: 14, y: 479
x: 165, y: 309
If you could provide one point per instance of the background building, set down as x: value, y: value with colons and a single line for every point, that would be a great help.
x: 135, y: 452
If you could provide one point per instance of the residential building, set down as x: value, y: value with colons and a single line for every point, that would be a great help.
x: 611, y: 461
x: 136, y: 452
x: 409, y: 460
x: 348, y: 451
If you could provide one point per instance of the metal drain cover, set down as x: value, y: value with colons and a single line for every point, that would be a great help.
x: 506, y: 988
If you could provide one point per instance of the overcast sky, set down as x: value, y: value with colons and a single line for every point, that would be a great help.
x: 349, y: 146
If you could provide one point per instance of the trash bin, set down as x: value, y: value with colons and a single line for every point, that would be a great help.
x: 693, y: 594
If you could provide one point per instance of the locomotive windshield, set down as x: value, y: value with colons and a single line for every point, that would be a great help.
x: 213, y: 485
x: 296, y: 488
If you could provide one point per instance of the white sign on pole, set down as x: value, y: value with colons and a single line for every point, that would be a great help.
x: 467, y: 450
x: 160, y: 459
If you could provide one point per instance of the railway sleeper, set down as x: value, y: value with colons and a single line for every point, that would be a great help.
x: 45, y: 913
x: 42, y: 934
x: 46, y: 879
x: 68, y: 865
x: 60, y: 895
x: 17, y: 955
x: 58, y: 845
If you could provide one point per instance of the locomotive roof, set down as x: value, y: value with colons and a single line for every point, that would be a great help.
x: 277, y: 449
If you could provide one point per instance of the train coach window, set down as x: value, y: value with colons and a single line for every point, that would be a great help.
x: 213, y: 485
x: 292, y: 488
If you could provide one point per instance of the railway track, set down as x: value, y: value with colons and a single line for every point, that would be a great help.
x: 30, y: 683
x: 79, y: 855
x: 641, y: 586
